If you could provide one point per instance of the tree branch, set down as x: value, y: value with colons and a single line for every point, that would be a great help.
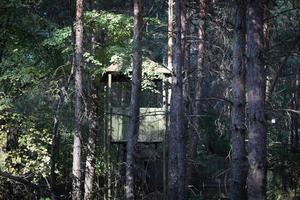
x: 20, y: 180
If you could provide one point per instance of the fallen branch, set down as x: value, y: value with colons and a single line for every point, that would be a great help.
x: 20, y: 180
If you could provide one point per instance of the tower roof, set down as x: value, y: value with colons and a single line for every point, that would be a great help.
x: 148, y: 65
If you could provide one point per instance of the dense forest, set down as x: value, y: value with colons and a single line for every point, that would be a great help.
x: 150, y: 99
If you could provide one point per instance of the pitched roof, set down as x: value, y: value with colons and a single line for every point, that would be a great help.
x: 148, y: 65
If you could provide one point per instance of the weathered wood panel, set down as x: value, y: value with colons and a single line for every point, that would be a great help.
x: 152, y: 124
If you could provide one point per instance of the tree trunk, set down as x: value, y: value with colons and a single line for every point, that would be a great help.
x: 256, y: 181
x: 185, y: 60
x: 238, y: 127
x: 185, y: 50
x: 133, y: 126
x: 172, y: 146
x: 76, y: 171
x: 169, y: 141
x: 196, y: 110
x: 176, y: 172
x: 170, y: 34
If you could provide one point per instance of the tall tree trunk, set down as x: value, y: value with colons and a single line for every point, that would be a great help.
x: 76, y: 171
x: 133, y: 127
x: 257, y: 158
x: 238, y: 127
x: 176, y: 172
x: 170, y: 34
x: 177, y: 110
x: 185, y: 60
x: 172, y: 145
x: 169, y: 140
x: 198, y: 75
x: 185, y: 48
x: 91, y: 144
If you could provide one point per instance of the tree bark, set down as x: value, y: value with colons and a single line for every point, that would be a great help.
x: 256, y: 181
x: 76, y: 171
x: 133, y: 126
x: 185, y: 52
x: 170, y: 34
x: 172, y: 145
x: 185, y: 29
x: 238, y: 127
x: 176, y: 172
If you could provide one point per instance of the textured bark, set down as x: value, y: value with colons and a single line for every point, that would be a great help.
x: 196, y: 110
x: 172, y: 146
x: 76, y: 171
x: 185, y: 56
x: 176, y: 119
x: 170, y: 34
x: 133, y: 126
x: 238, y: 127
x: 256, y: 181
x: 178, y: 109
x: 185, y: 50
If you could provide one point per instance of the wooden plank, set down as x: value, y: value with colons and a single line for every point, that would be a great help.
x: 152, y: 124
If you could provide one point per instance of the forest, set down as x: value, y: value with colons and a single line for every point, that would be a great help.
x: 149, y: 99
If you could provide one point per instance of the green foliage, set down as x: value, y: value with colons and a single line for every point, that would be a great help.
x: 24, y: 146
x: 110, y: 41
x: 31, y: 156
x: 111, y: 23
x: 102, y: 167
x: 60, y: 40
x: 36, y: 50
x: 113, y: 33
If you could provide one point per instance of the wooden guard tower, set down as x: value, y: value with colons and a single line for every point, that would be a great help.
x: 153, y: 117
x: 154, y: 103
